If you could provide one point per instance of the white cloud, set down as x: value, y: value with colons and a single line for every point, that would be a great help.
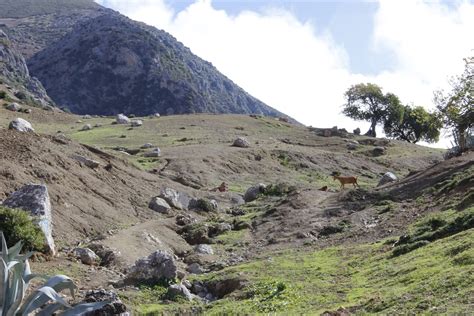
x: 302, y: 71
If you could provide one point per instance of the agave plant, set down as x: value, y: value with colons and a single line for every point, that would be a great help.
x: 15, y: 275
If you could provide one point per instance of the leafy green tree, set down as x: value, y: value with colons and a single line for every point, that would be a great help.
x: 367, y: 102
x: 457, y: 105
x: 417, y: 124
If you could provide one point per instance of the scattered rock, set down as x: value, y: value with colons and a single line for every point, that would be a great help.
x: 195, y: 268
x: 241, y: 142
x: 116, y: 307
x: 136, y: 123
x: 203, y: 205
x: 159, y: 265
x: 108, y: 256
x: 154, y: 153
x: 86, y: 255
x: 86, y: 161
x: 159, y: 205
x: 238, y: 200
x: 21, y: 125
x: 184, y: 219
x: 378, y: 151
x: 356, y: 131
x: 174, y: 198
x: 122, y: 119
x: 351, y: 146
x: 187, y: 284
x: 86, y: 117
x: 387, y: 178
x: 147, y: 146
x: 204, y: 249
x: 86, y: 127
x: 253, y: 192
x: 34, y: 198
x: 221, y: 288
x: 178, y: 290
x: 15, y: 107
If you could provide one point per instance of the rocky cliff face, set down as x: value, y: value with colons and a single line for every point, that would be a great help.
x: 14, y: 72
x: 111, y: 64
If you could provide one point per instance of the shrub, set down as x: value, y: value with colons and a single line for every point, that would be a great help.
x: 3, y: 94
x: 18, y: 225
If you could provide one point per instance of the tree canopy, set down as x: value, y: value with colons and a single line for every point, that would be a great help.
x: 457, y: 105
x: 368, y: 103
x: 417, y: 124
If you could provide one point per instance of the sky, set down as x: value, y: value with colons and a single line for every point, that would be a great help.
x: 301, y: 56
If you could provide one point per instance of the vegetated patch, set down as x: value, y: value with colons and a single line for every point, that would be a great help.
x: 278, y: 189
x: 433, y: 228
x: 18, y: 225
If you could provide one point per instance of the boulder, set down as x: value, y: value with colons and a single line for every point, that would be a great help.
x: 156, y: 115
x: 356, y: 131
x: 86, y: 161
x: 378, y: 151
x: 21, y: 125
x: 204, y: 249
x: 253, y: 192
x: 86, y: 255
x: 351, y: 146
x: 387, y: 178
x: 87, y: 117
x: 122, y: 119
x: 203, y: 205
x: 178, y: 290
x: 154, y: 153
x: 86, y: 127
x: 147, y: 146
x: 136, y: 123
x: 115, y: 307
x: 159, y: 205
x: 174, y: 198
x: 159, y: 265
x: 15, y: 107
x: 195, y: 268
x: 239, y: 200
x: 34, y: 198
x: 241, y: 142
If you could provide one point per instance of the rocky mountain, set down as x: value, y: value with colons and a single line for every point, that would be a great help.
x: 111, y: 64
x: 14, y: 73
x: 94, y: 60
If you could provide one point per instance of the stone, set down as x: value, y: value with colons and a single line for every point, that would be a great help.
x: 34, y: 198
x: 238, y: 200
x: 241, y: 142
x: 21, y: 125
x: 378, y: 151
x: 147, y: 146
x: 86, y: 161
x: 356, y: 131
x: 15, y: 107
x: 253, y: 192
x: 159, y: 205
x: 203, y: 205
x: 116, y: 307
x: 195, y: 268
x: 86, y: 255
x: 204, y: 249
x: 178, y: 290
x: 122, y: 119
x: 172, y: 197
x: 187, y: 284
x: 86, y: 117
x: 387, y: 178
x: 86, y: 127
x: 136, y: 123
x: 154, y: 153
x: 156, y: 115
x: 223, y: 227
x: 159, y: 265
x: 351, y: 146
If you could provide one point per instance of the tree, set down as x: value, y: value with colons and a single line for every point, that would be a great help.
x: 417, y: 124
x: 456, y: 106
x: 368, y: 103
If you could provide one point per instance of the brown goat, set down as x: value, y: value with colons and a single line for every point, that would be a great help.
x: 346, y: 180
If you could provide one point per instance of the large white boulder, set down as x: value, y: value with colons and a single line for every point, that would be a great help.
x: 21, y: 125
x: 122, y: 119
x: 387, y: 178
x: 34, y: 198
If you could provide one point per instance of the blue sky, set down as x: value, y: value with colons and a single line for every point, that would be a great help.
x: 301, y: 56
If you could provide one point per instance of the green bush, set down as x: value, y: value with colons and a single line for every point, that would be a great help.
x: 3, y: 94
x: 18, y: 225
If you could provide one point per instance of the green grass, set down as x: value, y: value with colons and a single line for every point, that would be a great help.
x: 437, y: 278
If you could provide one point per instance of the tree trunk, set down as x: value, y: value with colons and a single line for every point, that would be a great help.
x: 371, y: 131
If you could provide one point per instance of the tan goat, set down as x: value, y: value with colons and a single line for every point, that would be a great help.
x: 346, y: 180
